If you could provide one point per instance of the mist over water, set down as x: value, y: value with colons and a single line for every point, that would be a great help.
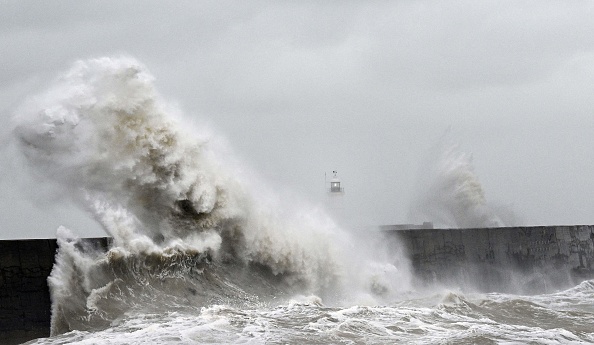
x: 175, y: 207
x: 449, y: 192
x: 203, y: 252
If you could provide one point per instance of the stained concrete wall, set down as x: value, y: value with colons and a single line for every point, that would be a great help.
x: 24, y: 295
x: 520, y: 259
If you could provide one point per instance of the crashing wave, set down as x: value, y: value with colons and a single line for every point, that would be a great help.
x: 450, y: 194
x: 103, y: 135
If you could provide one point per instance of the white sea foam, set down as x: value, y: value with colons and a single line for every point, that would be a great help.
x: 440, y: 318
x: 184, y: 221
x: 103, y: 133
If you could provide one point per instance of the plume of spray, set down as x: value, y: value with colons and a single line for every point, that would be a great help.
x: 450, y: 194
x: 105, y: 137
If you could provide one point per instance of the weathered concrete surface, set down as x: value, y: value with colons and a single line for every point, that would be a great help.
x: 24, y: 295
x: 520, y: 259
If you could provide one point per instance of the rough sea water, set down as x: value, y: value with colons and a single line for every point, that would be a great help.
x: 203, y: 253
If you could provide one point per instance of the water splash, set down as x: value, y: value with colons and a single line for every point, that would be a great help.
x: 450, y: 194
x: 166, y: 195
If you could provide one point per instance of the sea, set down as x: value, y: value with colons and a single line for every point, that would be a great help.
x: 176, y: 299
x: 204, y: 252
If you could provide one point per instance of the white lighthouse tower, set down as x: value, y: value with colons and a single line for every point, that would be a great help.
x: 335, y: 196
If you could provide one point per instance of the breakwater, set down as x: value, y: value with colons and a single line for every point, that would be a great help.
x: 24, y: 295
x: 518, y: 259
x: 527, y: 260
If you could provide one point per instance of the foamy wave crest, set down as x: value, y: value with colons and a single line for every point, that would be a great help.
x: 90, y: 289
x: 450, y: 194
x: 105, y: 137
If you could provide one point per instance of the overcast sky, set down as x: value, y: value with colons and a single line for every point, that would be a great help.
x: 300, y: 88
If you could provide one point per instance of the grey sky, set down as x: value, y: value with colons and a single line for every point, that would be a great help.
x: 365, y: 88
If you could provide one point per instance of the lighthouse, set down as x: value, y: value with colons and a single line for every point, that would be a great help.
x: 335, y: 196
x: 335, y: 188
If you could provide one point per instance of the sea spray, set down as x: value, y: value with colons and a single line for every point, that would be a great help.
x: 91, y: 289
x: 450, y: 194
x: 189, y: 269
x: 188, y: 230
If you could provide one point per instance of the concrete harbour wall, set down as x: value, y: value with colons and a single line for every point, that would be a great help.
x: 25, y: 304
x: 24, y: 296
x: 520, y: 259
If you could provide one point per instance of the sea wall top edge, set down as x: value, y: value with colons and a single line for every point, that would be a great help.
x: 490, y: 228
x: 50, y: 238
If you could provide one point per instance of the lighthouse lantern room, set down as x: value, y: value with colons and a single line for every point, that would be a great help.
x: 335, y: 187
